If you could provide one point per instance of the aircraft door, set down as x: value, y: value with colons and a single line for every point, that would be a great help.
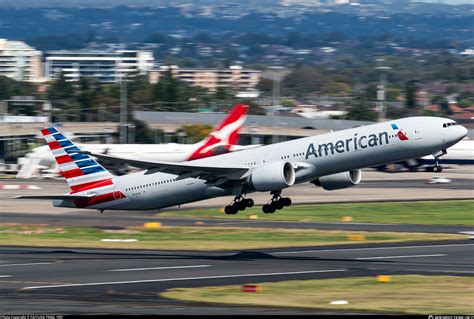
x: 417, y: 133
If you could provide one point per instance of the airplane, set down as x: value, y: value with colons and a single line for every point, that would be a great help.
x: 221, y: 140
x: 331, y: 161
x: 460, y: 154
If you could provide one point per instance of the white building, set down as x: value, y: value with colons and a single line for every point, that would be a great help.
x: 19, y: 61
x: 235, y: 77
x: 105, y: 66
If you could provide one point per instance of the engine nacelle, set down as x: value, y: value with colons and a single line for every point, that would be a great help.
x: 339, y: 180
x: 272, y: 177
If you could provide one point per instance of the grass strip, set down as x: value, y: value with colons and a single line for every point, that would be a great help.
x: 427, y: 213
x: 412, y: 294
x: 197, y: 238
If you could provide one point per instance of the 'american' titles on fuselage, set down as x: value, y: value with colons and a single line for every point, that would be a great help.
x: 344, y: 145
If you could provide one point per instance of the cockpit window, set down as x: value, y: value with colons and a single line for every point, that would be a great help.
x: 450, y: 124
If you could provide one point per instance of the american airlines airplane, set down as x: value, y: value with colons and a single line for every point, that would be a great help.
x: 221, y: 140
x: 331, y: 161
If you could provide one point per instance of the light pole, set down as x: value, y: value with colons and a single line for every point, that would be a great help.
x: 123, y: 109
x: 278, y: 72
x: 381, y: 92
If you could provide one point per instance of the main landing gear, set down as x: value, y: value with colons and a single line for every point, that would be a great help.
x: 277, y: 202
x: 239, y: 203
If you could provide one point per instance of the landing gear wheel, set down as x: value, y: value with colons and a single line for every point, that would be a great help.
x: 286, y: 201
x: 268, y: 208
x: 437, y: 169
x: 230, y: 210
x: 278, y: 204
x: 249, y: 202
x: 242, y: 205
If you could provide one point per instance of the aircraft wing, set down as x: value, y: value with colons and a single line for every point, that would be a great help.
x: 227, y: 171
x: 63, y: 196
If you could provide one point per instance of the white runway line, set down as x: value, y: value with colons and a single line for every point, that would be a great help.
x: 5, y: 276
x: 7, y: 265
x: 185, y: 278
x: 160, y: 268
x: 444, y: 271
x: 406, y: 256
x: 367, y: 248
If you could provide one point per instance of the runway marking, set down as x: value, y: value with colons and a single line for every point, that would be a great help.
x: 367, y: 248
x: 406, y: 256
x: 6, y: 265
x: 160, y: 268
x: 28, y: 282
x: 5, y: 276
x: 184, y: 278
x: 233, y: 223
x: 446, y: 271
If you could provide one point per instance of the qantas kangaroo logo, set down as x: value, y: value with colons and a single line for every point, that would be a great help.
x: 400, y: 134
x: 227, y: 134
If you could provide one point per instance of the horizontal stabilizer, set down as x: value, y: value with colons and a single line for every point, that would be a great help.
x: 66, y: 196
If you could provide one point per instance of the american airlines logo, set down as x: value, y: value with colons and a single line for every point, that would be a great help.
x: 353, y: 143
x: 400, y: 134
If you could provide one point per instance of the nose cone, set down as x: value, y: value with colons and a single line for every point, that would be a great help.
x: 462, y: 131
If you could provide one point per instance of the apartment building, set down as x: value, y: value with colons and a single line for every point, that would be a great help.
x: 104, y: 66
x: 235, y: 77
x: 19, y: 61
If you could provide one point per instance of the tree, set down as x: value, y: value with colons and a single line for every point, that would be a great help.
x: 60, y: 89
x: 166, y: 91
x: 143, y: 134
x: 410, y: 94
x: 5, y: 88
x: 361, y: 110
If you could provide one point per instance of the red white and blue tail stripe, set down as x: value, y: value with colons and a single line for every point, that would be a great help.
x: 82, y: 173
x: 80, y: 170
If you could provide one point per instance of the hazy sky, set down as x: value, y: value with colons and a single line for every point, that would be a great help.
x: 448, y: 1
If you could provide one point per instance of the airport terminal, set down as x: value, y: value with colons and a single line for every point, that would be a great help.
x: 149, y: 178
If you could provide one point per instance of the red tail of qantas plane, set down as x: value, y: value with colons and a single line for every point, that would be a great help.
x: 224, y: 136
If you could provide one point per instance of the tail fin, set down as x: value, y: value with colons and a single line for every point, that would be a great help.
x: 80, y: 170
x: 224, y: 136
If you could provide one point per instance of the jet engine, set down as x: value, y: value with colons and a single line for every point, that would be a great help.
x: 339, y: 180
x: 273, y: 176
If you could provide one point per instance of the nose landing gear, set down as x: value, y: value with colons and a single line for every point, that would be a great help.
x: 438, y: 168
x: 239, y: 203
x: 277, y: 202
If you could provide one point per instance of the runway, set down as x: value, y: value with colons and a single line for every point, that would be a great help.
x: 95, y: 281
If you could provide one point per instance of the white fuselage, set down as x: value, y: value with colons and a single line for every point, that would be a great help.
x: 151, y: 152
x: 316, y: 156
x: 461, y: 153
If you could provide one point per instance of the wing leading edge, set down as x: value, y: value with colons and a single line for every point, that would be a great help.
x: 64, y: 196
x: 226, y: 171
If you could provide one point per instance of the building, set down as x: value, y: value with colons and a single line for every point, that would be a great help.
x: 105, y: 66
x: 19, y: 61
x: 234, y: 77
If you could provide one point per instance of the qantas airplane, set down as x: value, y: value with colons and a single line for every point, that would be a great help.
x: 331, y: 161
x: 221, y: 140
x: 460, y: 154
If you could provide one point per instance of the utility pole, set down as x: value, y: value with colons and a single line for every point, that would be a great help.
x: 381, y: 92
x: 277, y: 74
x: 123, y: 110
